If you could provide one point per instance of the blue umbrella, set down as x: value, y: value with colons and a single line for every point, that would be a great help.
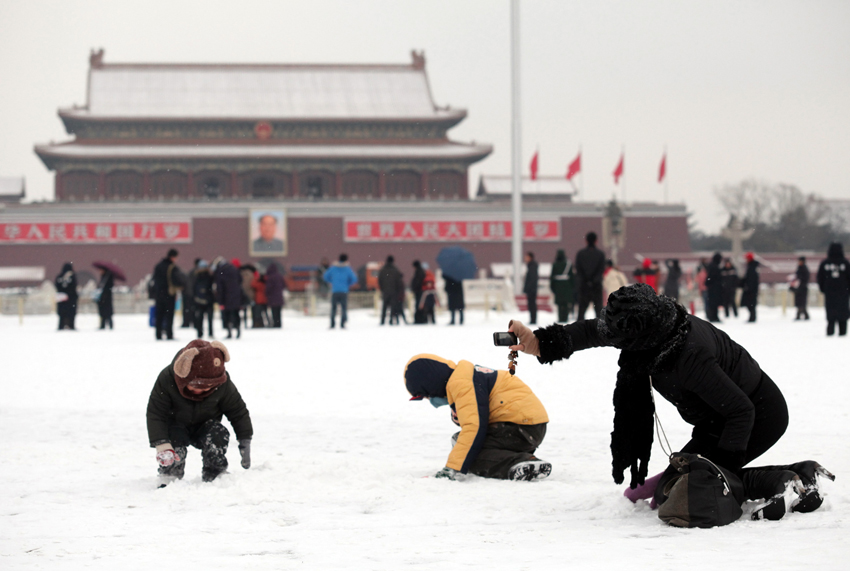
x: 457, y: 263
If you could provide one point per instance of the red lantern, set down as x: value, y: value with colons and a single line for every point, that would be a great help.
x: 263, y: 131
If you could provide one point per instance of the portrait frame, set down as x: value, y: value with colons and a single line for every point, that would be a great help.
x: 274, y: 245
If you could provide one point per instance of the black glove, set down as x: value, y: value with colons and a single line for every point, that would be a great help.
x: 245, y: 452
x: 447, y: 473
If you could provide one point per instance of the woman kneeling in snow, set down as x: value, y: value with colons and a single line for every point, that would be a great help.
x: 185, y: 407
x: 737, y: 411
x: 501, y: 421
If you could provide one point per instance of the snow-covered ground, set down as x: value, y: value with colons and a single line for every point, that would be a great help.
x: 341, y: 457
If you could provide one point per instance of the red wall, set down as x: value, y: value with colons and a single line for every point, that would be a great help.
x: 310, y: 239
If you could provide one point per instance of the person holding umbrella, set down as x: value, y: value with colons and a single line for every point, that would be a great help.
x: 454, y: 293
x: 103, y: 295
x: 458, y: 264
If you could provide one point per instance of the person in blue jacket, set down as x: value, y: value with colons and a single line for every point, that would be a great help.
x: 341, y: 277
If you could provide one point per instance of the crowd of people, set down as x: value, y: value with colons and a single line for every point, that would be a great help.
x: 238, y: 289
x: 252, y: 296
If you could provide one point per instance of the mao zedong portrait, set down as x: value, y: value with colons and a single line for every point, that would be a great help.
x: 268, y: 240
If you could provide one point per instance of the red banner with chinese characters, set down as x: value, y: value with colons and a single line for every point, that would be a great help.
x: 452, y: 231
x: 95, y: 232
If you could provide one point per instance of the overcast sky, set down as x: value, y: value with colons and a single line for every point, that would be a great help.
x: 733, y: 89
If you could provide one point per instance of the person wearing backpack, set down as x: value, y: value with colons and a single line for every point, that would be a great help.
x: 737, y: 411
x: 168, y: 281
x: 202, y: 297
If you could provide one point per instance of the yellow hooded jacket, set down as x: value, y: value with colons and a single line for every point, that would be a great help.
x: 481, y: 396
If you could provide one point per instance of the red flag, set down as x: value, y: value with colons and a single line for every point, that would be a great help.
x: 618, y: 172
x: 574, y: 168
x: 533, y: 166
x: 662, y: 170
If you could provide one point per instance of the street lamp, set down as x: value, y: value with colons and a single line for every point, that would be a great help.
x: 614, y: 216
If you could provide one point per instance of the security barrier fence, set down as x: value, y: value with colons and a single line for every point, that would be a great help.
x: 487, y: 294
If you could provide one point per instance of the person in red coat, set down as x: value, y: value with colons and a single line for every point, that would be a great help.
x: 647, y: 274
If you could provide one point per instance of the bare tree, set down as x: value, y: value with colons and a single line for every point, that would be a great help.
x: 784, y: 217
x: 742, y: 200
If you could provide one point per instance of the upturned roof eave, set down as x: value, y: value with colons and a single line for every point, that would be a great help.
x: 51, y: 153
x: 453, y: 116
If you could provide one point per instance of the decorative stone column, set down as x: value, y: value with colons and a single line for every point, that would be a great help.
x: 735, y: 233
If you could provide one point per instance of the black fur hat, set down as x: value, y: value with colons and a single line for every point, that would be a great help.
x: 636, y: 318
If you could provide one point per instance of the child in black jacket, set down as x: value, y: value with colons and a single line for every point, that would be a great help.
x: 185, y: 408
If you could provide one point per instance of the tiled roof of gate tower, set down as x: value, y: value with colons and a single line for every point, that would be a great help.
x: 260, y: 91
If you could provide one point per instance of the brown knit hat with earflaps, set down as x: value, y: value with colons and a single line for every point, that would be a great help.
x: 200, y: 365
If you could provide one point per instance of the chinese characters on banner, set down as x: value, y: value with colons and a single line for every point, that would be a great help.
x: 453, y: 231
x: 95, y: 232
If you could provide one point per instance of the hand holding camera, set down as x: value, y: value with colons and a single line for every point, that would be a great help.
x: 527, y: 341
x: 504, y: 339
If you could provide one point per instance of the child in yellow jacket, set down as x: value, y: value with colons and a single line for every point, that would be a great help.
x: 502, y: 422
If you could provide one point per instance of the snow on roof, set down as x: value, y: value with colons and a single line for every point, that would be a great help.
x: 243, y: 91
x: 499, y: 185
x: 12, y: 187
x: 442, y: 150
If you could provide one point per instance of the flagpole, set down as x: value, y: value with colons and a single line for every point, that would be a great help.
x: 537, y: 154
x: 581, y: 171
x: 665, y: 174
x: 516, y: 150
x: 623, y: 155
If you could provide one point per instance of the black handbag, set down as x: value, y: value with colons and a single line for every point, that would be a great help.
x: 700, y: 493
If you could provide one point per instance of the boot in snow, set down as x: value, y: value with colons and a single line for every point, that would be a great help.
x: 210, y: 474
x: 162, y: 481
x: 787, y: 489
x: 534, y: 469
x: 808, y: 471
